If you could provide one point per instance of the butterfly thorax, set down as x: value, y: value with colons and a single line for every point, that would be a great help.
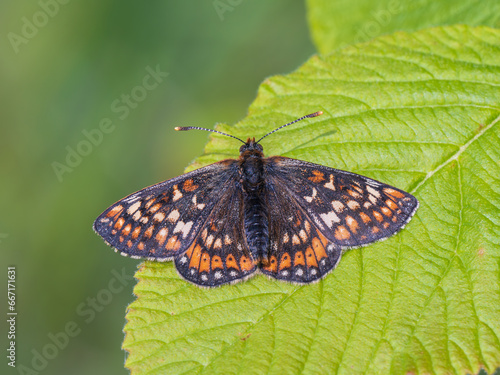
x: 255, y: 209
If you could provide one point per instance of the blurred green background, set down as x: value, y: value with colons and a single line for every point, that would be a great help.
x: 61, y: 78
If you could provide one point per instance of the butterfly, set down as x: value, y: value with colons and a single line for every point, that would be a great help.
x: 286, y: 218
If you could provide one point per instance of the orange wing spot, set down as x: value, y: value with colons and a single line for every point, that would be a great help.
x: 216, y: 262
x: 299, y: 259
x: 310, y: 258
x: 354, y: 194
x: 113, y: 231
x: 323, y: 239
x: 394, y: 193
x: 149, y: 232
x: 391, y: 204
x: 127, y: 229
x: 317, y: 178
x: 189, y: 185
x: 231, y: 262
x: 285, y: 262
x: 150, y: 202
x: 375, y: 230
x: 121, y: 239
x: 341, y: 233
x: 189, y: 251
x: 352, y: 223
x: 119, y: 223
x: 378, y: 216
x: 129, y: 243
x: 173, y: 244
x: 394, y: 218
x: 140, y: 246
x: 245, y: 263
x: 365, y: 217
x: 136, y: 232
x: 319, y: 249
x: 272, y: 265
x: 195, y: 257
x: 205, y: 262
x: 155, y: 208
x: 386, y: 211
x: 114, y: 211
x: 385, y: 225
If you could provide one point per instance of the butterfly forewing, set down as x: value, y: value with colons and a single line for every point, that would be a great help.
x: 162, y: 221
x: 348, y: 209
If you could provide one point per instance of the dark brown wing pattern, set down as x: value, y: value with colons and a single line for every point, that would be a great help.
x: 326, y: 210
x: 163, y: 220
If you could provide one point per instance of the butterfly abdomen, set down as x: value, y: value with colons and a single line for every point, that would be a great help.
x: 255, y: 209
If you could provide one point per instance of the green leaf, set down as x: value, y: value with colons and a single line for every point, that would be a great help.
x: 336, y: 24
x: 419, y: 111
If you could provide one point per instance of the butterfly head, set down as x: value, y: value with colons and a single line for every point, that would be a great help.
x: 251, y: 147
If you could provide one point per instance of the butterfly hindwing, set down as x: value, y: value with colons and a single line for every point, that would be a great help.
x: 161, y: 221
x: 348, y: 209
x: 219, y: 254
x: 299, y: 252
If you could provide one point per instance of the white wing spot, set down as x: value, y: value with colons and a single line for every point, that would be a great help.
x: 144, y: 220
x: 330, y: 185
x: 159, y: 216
x: 173, y: 216
x: 199, y: 206
x: 204, y: 277
x: 353, y: 205
x: 233, y: 273
x: 183, y: 260
x: 218, y: 275
x: 311, y: 198
x: 314, y: 271
x: 209, y: 241
x: 137, y: 215
x: 134, y: 207
x: 373, y: 191
x: 299, y: 272
x: 303, y: 235
x: 217, y: 243
x: 177, y: 194
x: 183, y: 227
x: 338, y: 206
x: 330, y: 218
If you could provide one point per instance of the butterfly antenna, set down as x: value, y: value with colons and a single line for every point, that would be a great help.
x: 184, y: 128
x: 319, y: 113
